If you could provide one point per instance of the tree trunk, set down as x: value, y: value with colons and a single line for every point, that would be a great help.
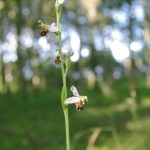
x: 147, y: 50
x: 20, y: 61
x: 5, y: 86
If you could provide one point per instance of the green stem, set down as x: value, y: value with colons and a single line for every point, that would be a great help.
x: 67, y: 129
x: 65, y: 108
x: 64, y: 75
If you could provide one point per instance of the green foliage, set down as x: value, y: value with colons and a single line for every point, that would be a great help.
x: 36, y: 122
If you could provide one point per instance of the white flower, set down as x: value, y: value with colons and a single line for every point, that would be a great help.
x: 60, y: 2
x: 53, y: 27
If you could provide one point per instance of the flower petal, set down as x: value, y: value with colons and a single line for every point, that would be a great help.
x: 74, y: 91
x: 53, y: 27
x: 72, y: 100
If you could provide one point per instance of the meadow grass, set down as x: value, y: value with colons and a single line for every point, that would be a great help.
x: 37, y: 122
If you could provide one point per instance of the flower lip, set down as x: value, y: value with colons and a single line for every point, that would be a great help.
x: 44, y: 32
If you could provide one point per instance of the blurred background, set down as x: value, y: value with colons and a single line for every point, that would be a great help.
x: 110, y: 65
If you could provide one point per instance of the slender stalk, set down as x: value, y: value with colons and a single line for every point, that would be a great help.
x: 67, y: 129
x: 65, y: 110
x: 64, y: 71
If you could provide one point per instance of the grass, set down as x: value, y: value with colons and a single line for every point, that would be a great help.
x: 37, y: 123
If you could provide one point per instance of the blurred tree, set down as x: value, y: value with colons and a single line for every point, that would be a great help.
x: 146, y: 28
x: 4, y: 69
x: 132, y: 82
x: 88, y: 19
x: 19, y: 22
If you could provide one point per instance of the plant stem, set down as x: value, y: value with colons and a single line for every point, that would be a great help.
x: 67, y: 129
x: 64, y: 75
x: 65, y: 108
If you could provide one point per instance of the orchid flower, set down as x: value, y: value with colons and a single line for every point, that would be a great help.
x: 76, y: 99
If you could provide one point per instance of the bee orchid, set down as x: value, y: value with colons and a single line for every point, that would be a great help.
x: 78, y: 100
x: 45, y: 28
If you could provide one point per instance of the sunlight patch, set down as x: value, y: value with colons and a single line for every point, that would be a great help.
x: 119, y: 51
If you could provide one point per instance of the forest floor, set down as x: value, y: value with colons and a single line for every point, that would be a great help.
x: 36, y: 122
